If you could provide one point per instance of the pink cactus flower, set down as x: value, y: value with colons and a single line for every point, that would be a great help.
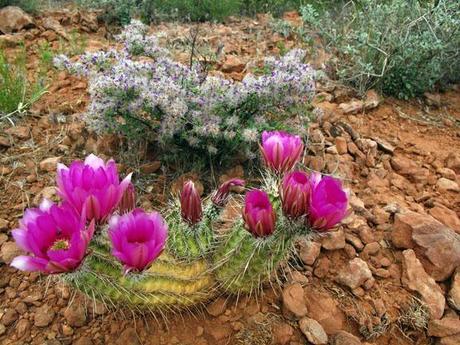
x: 258, y: 213
x: 138, y: 238
x: 281, y: 151
x: 220, y: 197
x: 93, y: 184
x: 55, y: 236
x: 295, y: 194
x: 190, y: 203
x: 328, y: 202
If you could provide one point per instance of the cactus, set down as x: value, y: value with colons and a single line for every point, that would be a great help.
x: 190, y: 242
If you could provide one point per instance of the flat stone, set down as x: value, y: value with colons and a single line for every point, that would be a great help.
x: 49, y: 164
x: 454, y: 292
x: 309, y: 252
x: 334, y: 240
x: 416, y: 279
x: 294, y: 300
x: 313, y: 331
x: 345, y: 338
x: 446, y: 216
x: 437, y: 246
x: 14, y: 19
x: 446, y: 185
x: 44, y: 316
x: 324, y: 309
x: 444, y: 327
x: 354, y: 274
x: 9, y: 251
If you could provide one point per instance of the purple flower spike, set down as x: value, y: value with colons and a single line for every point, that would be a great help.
x: 221, y: 195
x: 328, y: 202
x: 93, y: 184
x: 258, y: 214
x: 281, y: 151
x: 137, y: 238
x: 190, y: 203
x: 55, y: 235
x: 295, y: 194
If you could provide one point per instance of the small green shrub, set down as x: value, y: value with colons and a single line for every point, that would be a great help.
x: 30, y: 6
x: 401, y: 47
x: 16, y: 92
x: 187, y: 112
x: 121, y: 11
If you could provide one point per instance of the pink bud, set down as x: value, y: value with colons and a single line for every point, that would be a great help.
x: 281, y: 151
x: 295, y: 194
x: 190, y: 203
x: 128, y: 200
x: 258, y: 214
x: 220, y: 197
x: 328, y: 203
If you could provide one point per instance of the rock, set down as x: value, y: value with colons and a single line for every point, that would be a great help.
x: 14, y: 19
x: 408, y: 168
x: 217, y: 307
x: 4, y: 141
x: 416, y: 279
x: 150, y: 168
x: 371, y: 249
x: 20, y: 132
x: 128, y: 336
x: 75, y: 314
x: 233, y: 64
x: 9, y: 251
x: 50, y: 23
x: 309, y: 252
x: 341, y: 145
x: 345, y: 338
x: 437, y: 246
x: 49, y: 164
x: 433, y: 99
x: 334, y: 240
x: 354, y: 274
x: 322, y: 267
x: 354, y: 241
x: 85, y: 341
x: 446, y: 216
x: 447, y: 173
x: 2, y: 329
x: 453, y: 162
x: 446, y: 185
x: 324, y: 309
x: 454, y: 292
x: 372, y: 100
x: 384, y: 145
x: 4, y: 224
x: 220, y: 333
x: 44, y: 316
x: 294, y: 300
x: 313, y: 331
x: 448, y: 325
x: 450, y: 340
x: 282, y: 333
x: 9, y: 317
x: 352, y: 107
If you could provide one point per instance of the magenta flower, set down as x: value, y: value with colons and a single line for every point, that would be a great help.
x: 137, y: 238
x: 258, y: 213
x: 295, y: 194
x: 55, y: 236
x: 328, y: 202
x: 220, y: 197
x: 93, y: 184
x: 190, y: 203
x: 280, y: 150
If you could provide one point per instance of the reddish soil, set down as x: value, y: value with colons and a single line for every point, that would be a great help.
x: 35, y: 309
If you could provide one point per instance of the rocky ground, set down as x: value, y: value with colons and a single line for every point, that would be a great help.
x: 389, y: 275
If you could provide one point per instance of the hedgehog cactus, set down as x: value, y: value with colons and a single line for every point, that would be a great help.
x: 100, y: 243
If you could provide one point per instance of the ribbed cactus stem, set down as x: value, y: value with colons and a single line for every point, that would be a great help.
x: 244, y: 262
x: 190, y: 242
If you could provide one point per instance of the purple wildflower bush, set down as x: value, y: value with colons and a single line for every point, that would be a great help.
x: 100, y: 242
x: 164, y: 101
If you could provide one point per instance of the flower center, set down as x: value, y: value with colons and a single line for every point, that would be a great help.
x: 61, y: 244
